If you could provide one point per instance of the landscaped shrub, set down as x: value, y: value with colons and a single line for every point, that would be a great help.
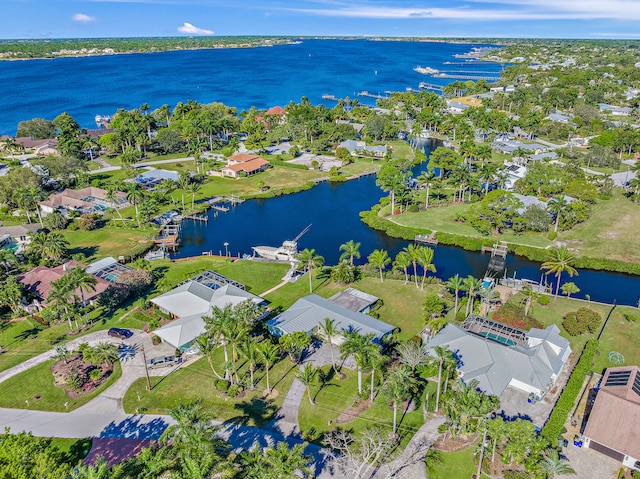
x: 553, y: 428
x: 552, y: 235
x: 512, y: 313
x: 413, y: 208
x: 222, y: 385
x: 631, y: 316
x: 581, y: 321
x: 233, y: 391
x: 543, y: 300
x: 95, y: 374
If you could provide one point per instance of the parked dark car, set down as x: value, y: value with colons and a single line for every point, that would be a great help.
x: 120, y: 333
x: 163, y: 362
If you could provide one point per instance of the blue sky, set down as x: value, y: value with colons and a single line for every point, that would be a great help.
x: 428, y: 18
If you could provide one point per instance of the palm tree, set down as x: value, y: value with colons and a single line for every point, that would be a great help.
x: 193, y: 188
x: 312, y: 260
x: 556, y: 205
x: 328, y: 330
x: 59, y: 295
x: 399, y: 386
x: 249, y: 349
x: 425, y: 178
x: 350, y: 250
x: 111, y: 197
x: 413, y: 250
x: 360, y: 347
x: 217, y: 327
x: 268, y: 353
x: 455, y: 283
x: 169, y: 186
x: 442, y: 354
x: 104, y: 353
x: 135, y: 195
x: 529, y: 294
x: 488, y: 173
x: 98, y: 470
x: 472, y: 286
x: 553, y: 466
x: 82, y: 281
x: 206, y: 347
x: 380, y: 259
x: 376, y: 362
x: 307, y: 375
x: 183, y: 183
x: 425, y: 258
x: 560, y: 260
x: 403, y: 261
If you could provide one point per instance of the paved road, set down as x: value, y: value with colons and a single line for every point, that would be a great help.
x: 106, y: 167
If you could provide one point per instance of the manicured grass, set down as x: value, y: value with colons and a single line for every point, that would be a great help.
x: 612, y: 231
x: 109, y: 241
x: 257, y: 276
x: 336, y: 396
x: 74, y: 450
x: 38, y: 381
x: 197, y: 381
x: 454, y: 465
x: 443, y: 219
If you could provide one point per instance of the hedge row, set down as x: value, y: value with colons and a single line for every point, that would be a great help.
x: 469, y: 243
x: 553, y: 428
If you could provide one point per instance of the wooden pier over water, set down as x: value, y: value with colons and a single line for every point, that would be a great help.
x: 467, y: 77
x: 365, y: 93
x: 430, y: 239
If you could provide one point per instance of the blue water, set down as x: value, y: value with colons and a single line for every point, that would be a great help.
x: 333, y: 209
x: 260, y: 77
x: 264, y: 77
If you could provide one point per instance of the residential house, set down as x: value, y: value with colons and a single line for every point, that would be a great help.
x: 149, y: 180
x: 85, y: 200
x: 244, y: 164
x: 17, y: 238
x: 614, y: 110
x: 558, y: 117
x: 503, y: 359
x: 49, y: 147
x: 38, y: 282
x: 456, y: 107
x: 309, y: 312
x: 514, y: 172
x: 192, y: 300
x: 356, y: 148
x: 613, y: 424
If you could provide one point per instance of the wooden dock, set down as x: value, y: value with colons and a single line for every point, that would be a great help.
x: 429, y: 86
x: 365, y: 93
x: 467, y: 77
x: 430, y: 239
x: 194, y: 217
x: 220, y: 208
x: 168, y: 237
x: 498, y: 249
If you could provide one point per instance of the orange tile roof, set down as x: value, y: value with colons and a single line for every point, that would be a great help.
x: 276, y: 110
x: 615, y: 417
x: 39, y: 280
x: 248, y: 166
x: 242, y: 157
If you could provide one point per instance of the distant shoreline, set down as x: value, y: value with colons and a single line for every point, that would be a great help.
x: 255, y: 42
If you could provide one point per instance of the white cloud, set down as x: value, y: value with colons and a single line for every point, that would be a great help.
x: 193, y: 30
x: 490, y: 10
x: 82, y: 18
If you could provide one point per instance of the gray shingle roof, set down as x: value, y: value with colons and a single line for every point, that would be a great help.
x: 308, y: 312
x: 495, y: 366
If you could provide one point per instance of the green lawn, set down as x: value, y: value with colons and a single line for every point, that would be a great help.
x: 257, y: 276
x: 443, y: 219
x: 109, y: 241
x: 197, y: 381
x: 336, y: 396
x: 38, y: 381
x: 74, y: 450
x: 454, y: 465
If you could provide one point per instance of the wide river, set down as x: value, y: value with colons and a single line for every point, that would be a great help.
x: 332, y: 210
x: 264, y: 77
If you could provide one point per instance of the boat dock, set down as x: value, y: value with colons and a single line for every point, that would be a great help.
x: 429, y: 239
x: 498, y: 249
x: 327, y: 96
x: 196, y: 217
x: 168, y: 237
x: 429, y: 86
x: 371, y: 95
x: 224, y: 209
x: 467, y: 77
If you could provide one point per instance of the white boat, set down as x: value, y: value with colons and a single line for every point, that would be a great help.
x: 287, y: 252
x: 426, y: 70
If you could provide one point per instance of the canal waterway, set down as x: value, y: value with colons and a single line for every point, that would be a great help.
x: 333, y: 211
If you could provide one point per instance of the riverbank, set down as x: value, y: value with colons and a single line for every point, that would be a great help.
x: 395, y: 228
